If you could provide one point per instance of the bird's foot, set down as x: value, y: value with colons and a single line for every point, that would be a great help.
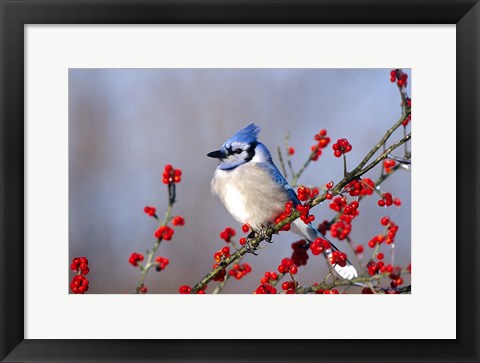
x: 248, y: 246
x: 263, y: 233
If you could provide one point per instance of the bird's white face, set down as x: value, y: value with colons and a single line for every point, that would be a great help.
x: 234, y: 154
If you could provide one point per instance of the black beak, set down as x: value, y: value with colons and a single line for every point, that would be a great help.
x: 217, y: 154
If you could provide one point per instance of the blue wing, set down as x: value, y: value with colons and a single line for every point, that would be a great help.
x: 275, y: 174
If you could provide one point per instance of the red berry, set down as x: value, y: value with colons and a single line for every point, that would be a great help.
x: 184, y: 289
x: 151, y: 211
x: 178, y: 221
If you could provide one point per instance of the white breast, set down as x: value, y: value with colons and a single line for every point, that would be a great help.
x: 249, y: 194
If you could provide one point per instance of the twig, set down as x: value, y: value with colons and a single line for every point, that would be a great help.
x: 151, y: 254
x: 280, y: 157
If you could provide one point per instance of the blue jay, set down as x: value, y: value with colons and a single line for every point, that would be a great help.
x: 254, y: 191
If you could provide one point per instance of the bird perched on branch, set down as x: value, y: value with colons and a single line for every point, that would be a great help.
x: 254, y: 191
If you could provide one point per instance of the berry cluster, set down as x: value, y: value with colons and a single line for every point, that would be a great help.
x: 221, y: 254
x: 178, y: 221
x: 79, y: 284
x: 389, y: 237
x: 322, y: 142
x: 338, y: 258
x: 227, y: 234
x: 359, y: 187
x: 340, y: 230
x: 388, y: 165
x: 304, y: 210
x: 289, y: 287
x: 378, y: 239
x: 386, y: 200
x: 375, y: 267
x: 171, y: 175
x: 342, y: 146
x: 151, y: 211
x: 338, y: 203
x: 240, y: 270
x: 351, y: 209
x: 299, y: 254
x: 268, y: 277
x: 305, y: 193
x: 392, y: 230
x: 319, y: 246
x: 265, y: 289
x: 399, y: 76
x: 80, y: 264
x: 287, y: 265
x: 135, y: 258
x: 286, y: 213
x: 164, y: 233
x: 162, y: 263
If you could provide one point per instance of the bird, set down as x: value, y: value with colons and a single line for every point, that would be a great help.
x: 254, y: 192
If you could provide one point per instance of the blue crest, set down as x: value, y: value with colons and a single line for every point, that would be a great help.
x: 246, y: 135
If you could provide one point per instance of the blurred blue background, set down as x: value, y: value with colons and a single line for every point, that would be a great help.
x: 126, y: 124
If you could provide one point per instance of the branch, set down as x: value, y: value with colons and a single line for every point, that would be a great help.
x: 151, y: 254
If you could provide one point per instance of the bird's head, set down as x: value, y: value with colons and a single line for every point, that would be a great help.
x: 237, y: 150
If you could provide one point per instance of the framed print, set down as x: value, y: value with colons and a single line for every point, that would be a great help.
x: 109, y: 120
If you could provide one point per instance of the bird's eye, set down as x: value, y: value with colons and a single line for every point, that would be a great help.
x: 238, y: 151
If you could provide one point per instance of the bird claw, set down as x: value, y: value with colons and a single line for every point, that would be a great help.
x: 263, y: 233
x: 249, y: 248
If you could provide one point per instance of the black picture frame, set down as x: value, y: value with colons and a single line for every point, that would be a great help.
x: 15, y: 14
